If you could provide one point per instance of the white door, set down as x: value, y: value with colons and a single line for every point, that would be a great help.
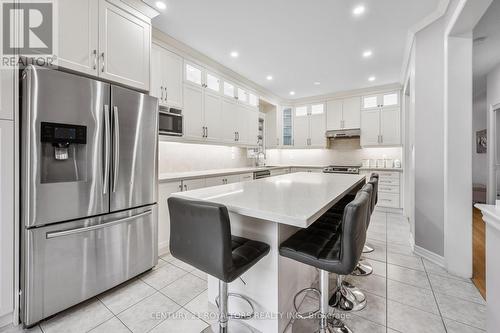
x: 301, y: 127
x: 229, y: 120
x: 164, y: 192
x: 172, y: 70
x: 193, y: 184
x: 156, y: 84
x: 212, y: 115
x: 124, y: 45
x: 193, y: 112
x: 390, y: 126
x: 334, y: 115
x: 317, y: 126
x: 78, y: 35
x: 370, y: 127
x: 351, y: 112
x: 6, y: 216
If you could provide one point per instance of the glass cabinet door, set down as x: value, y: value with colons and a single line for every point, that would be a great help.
x: 193, y: 74
x: 228, y: 89
x: 287, y: 127
x: 213, y: 82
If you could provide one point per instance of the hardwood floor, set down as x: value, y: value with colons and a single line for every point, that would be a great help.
x: 478, y: 252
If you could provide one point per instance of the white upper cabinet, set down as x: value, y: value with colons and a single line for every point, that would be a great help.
x: 229, y: 90
x: 351, y: 113
x: 370, y: 127
x: 166, y: 77
x: 78, y: 35
x: 390, y: 126
x: 105, y: 38
x: 193, y: 74
x: 253, y: 100
x: 242, y: 95
x: 193, y: 112
x: 212, y: 115
x: 380, y: 100
x: 343, y: 114
x: 124, y: 45
x: 230, y: 116
x: 309, y: 126
x: 213, y: 82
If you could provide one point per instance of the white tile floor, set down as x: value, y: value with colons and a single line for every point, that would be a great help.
x: 405, y: 294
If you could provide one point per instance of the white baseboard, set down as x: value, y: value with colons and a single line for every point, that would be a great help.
x: 412, y: 241
x: 431, y: 256
x: 6, y: 320
x: 163, y: 248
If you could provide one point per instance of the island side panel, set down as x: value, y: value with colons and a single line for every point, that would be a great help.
x: 261, y: 280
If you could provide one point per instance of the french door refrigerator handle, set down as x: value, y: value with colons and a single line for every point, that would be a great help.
x: 116, y: 147
x: 56, y: 234
x: 107, y: 148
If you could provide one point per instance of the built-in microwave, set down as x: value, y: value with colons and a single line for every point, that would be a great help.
x: 171, y: 122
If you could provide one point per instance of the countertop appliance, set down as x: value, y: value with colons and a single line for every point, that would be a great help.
x: 171, y: 122
x: 88, y: 189
x: 349, y: 169
x: 261, y: 174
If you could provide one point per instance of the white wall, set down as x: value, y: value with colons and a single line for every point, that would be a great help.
x: 479, y: 122
x: 179, y: 157
x: 492, y: 98
x: 429, y: 137
x: 344, y: 151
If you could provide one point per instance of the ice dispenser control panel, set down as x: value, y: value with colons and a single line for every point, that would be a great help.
x: 61, y: 136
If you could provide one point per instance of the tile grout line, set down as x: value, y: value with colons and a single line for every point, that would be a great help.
x: 435, y: 299
x: 114, y: 316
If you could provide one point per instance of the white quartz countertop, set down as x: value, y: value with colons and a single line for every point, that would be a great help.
x: 296, y: 199
x: 381, y: 169
x: 491, y: 214
x: 173, y: 176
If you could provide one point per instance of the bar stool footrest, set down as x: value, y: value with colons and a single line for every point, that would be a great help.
x: 239, y: 316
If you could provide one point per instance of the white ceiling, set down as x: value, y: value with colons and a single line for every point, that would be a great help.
x: 486, y: 52
x: 299, y: 42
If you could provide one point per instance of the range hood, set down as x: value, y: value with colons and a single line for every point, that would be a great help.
x: 344, y: 133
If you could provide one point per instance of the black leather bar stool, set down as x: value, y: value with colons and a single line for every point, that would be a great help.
x: 374, y: 180
x: 332, y: 248
x: 200, y: 235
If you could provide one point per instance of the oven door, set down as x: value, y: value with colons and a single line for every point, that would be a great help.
x: 171, y: 123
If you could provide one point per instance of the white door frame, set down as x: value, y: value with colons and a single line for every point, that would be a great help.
x: 458, y: 136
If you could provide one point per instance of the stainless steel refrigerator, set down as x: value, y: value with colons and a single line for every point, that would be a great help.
x: 88, y: 189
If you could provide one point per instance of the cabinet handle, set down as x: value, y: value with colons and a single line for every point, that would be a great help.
x: 95, y: 59
x: 161, y: 93
x: 381, y: 138
x: 238, y: 134
x: 102, y: 67
x: 180, y: 187
x: 185, y: 187
x: 206, y: 132
x: 166, y: 94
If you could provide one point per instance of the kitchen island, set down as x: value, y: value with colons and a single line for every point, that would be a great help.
x: 271, y: 210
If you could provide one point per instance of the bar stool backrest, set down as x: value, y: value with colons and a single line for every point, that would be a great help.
x: 374, y: 182
x: 200, y: 235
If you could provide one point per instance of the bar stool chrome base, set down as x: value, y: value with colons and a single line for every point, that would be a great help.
x: 313, y: 325
x: 232, y: 327
x: 364, y: 268
x: 347, y: 297
x: 368, y: 248
x: 224, y: 325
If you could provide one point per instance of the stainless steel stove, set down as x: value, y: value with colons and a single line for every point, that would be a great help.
x: 348, y: 169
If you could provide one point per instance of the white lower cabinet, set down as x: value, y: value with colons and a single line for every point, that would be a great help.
x: 306, y: 170
x: 278, y: 172
x: 246, y: 177
x: 193, y: 184
x: 6, y: 217
x: 389, y: 188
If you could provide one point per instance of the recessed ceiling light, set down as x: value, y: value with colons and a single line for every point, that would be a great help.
x: 367, y: 54
x: 371, y: 78
x: 269, y: 77
x: 292, y: 93
x: 235, y: 54
x: 160, y: 5
x: 317, y: 83
x: 358, y: 10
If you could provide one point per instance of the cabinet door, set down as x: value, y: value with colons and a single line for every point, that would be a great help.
x: 229, y: 119
x: 164, y: 192
x: 193, y: 184
x: 301, y: 127
x: 370, y: 127
x: 214, y: 181
x: 334, y: 115
x: 390, y: 127
x: 232, y: 179
x: 124, y: 44
x: 317, y: 130
x: 172, y: 78
x: 253, y: 126
x: 243, y: 126
x: 351, y: 112
x: 78, y: 35
x: 156, y: 84
x: 371, y: 102
x: 213, y: 115
x: 286, y: 122
x: 245, y: 177
x: 6, y: 216
x: 193, y: 112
